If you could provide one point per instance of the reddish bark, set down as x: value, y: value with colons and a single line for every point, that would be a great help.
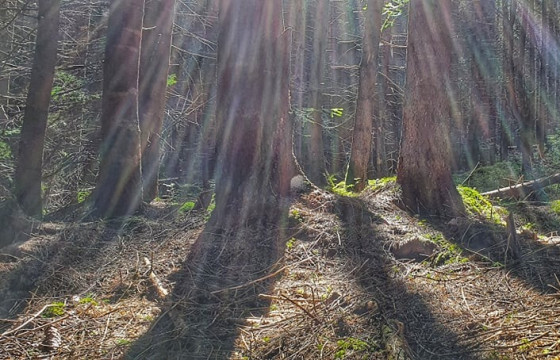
x: 254, y: 157
x: 119, y: 184
x: 367, y: 95
x: 424, y: 165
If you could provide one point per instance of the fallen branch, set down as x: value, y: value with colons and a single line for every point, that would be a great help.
x: 8, y: 332
x: 519, y: 190
x: 156, y: 282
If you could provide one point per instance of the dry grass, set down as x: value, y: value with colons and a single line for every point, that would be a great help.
x: 336, y: 291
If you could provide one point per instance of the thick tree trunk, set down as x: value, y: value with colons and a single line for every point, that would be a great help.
x: 367, y: 96
x: 424, y: 164
x: 30, y: 160
x: 154, y: 65
x: 254, y: 157
x: 119, y: 184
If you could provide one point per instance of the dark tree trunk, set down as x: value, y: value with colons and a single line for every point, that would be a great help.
x: 119, y: 184
x: 367, y: 96
x: 424, y: 163
x: 522, y: 108
x: 507, y: 138
x: 254, y: 154
x: 484, y: 72
x: 316, y: 156
x: 154, y: 65
x: 30, y: 160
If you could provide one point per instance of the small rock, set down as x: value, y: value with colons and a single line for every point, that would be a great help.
x: 414, y: 249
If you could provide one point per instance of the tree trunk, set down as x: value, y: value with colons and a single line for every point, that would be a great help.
x: 119, y: 184
x: 5, y: 44
x: 507, y: 138
x: 254, y: 157
x: 154, y: 65
x: 316, y: 156
x: 367, y: 96
x: 522, y: 109
x: 30, y: 160
x: 424, y: 164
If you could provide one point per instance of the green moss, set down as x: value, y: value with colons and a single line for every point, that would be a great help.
x: 187, y: 206
x: 450, y: 253
x: 88, y: 300
x: 350, y: 344
x: 54, y: 310
x: 379, y: 184
x: 478, y: 205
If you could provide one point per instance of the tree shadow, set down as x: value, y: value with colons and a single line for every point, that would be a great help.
x: 534, y: 261
x: 39, y: 265
x: 426, y: 335
x: 217, y: 290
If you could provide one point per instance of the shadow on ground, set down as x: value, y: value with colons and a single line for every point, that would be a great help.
x: 39, y: 267
x: 216, y: 290
x: 427, y: 337
x: 534, y: 261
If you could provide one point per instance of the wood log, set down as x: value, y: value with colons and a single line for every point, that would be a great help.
x: 523, y: 189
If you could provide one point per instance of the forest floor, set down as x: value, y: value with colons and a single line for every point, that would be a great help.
x: 357, y: 278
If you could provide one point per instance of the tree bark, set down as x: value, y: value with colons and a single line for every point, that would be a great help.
x: 30, y: 160
x: 254, y: 155
x: 522, y: 107
x: 154, y: 65
x: 118, y: 190
x: 507, y: 138
x: 367, y: 96
x: 424, y: 164
x: 316, y: 154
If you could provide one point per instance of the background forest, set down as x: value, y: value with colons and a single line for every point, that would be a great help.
x: 385, y: 172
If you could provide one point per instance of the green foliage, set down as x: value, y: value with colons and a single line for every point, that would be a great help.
x: 54, y: 310
x: 392, y: 10
x: 171, y: 79
x: 5, y: 151
x: 337, y: 112
x: 476, y: 204
x: 7, y: 137
x: 291, y: 243
x: 555, y: 206
x: 83, y: 195
x: 212, y: 205
x: 88, y: 300
x: 296, y: 215
x: 68, y: 88
x: 553, y: 151
x: 187, y: 206
x: 123, y: 342
x: 350, y: 344
x: 380, y: 184
x: 340, y: 187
